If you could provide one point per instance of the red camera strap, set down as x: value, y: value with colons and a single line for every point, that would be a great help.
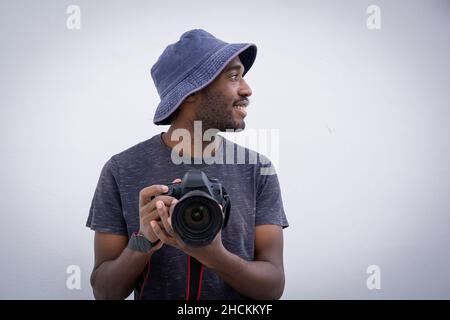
x: 194, y: 279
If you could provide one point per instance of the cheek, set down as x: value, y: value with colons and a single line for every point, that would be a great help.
x: 230, y: 93
x: 226, y: 102
x: 231, y: 99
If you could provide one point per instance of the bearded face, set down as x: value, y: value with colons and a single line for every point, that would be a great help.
x: 219, y: 111
x: 224, y: 102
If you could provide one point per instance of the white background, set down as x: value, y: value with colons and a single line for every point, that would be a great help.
x: 363, y: 118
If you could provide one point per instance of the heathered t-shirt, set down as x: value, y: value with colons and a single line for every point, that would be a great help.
x: 255, y: 200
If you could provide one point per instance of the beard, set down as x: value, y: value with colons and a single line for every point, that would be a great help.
x: 216, y: 112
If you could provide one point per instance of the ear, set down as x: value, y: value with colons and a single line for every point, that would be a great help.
x: 192, y: 97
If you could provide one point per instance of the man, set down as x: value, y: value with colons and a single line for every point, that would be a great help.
x: 198, y: 78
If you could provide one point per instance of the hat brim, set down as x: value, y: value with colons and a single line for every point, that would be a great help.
x: 202, y: 76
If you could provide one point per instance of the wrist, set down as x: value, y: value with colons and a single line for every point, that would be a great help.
x: 133, y: 254
x: 139, y: 243
x: 216, y: 258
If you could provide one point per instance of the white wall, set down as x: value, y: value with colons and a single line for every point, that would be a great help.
x: 363, y: 118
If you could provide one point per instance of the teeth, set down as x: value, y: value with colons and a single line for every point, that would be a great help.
x: 240, y: 107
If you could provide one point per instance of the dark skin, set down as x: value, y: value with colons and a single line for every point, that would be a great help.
x: 117, y: 268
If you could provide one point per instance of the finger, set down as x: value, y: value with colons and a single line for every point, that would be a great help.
x: 169, y: 219
x: 161, y: 225
x: 146, y: 217
x: 158, y: 221
x: 162, y: 235
x: 164, y: 214
x: 176, y: 238
x: 149, y: 207
x: 151, y: 234
x: 146, y: 193
x: 145, y: 220
x: 177, y: 180
x: 172, y: 206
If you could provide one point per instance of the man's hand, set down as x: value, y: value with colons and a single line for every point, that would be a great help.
x: 164, y: 231
x: 148, y: 211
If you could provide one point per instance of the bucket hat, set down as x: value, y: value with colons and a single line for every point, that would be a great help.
x: 190, y: 64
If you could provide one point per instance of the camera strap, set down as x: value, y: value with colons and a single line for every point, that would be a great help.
x: 226, y: 207
x: 194, y: 279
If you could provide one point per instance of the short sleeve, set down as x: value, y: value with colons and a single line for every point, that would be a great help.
x: 105, y: 214
x: 269, y: 203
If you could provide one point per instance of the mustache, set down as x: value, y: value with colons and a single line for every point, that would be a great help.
x: 243, y: 100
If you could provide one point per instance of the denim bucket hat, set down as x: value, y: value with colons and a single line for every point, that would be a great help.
x: 190, y: 64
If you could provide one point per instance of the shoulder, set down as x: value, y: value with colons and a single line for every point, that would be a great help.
x: 135, y: 150
x: 134, y: 158
x: 137, y: 153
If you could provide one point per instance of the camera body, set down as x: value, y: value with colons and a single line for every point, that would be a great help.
x: 197, y: 216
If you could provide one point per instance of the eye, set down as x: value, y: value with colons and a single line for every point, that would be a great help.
x: 234, y: 76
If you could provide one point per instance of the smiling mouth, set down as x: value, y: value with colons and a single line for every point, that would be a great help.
x: 241, y: 108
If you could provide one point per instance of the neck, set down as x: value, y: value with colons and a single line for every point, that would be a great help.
x: 193, y: 136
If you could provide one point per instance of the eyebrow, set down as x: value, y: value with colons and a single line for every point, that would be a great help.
x: 234, y: 67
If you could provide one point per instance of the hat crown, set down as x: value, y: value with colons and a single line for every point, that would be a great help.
x: 182, y: 57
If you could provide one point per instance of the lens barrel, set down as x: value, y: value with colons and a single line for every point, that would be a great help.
x: 197, y: 218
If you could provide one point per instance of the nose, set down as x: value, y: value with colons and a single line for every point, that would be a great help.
x: 244, y: 89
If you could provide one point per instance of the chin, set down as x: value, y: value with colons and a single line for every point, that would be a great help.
x: 240, y: 125
x: 232, y: 125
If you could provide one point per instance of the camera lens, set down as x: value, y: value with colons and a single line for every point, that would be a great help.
x: 197, y: 217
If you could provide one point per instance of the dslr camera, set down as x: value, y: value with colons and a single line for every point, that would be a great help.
x: 197, y: 216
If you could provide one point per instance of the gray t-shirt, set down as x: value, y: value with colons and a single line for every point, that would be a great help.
x: 255, y: 200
